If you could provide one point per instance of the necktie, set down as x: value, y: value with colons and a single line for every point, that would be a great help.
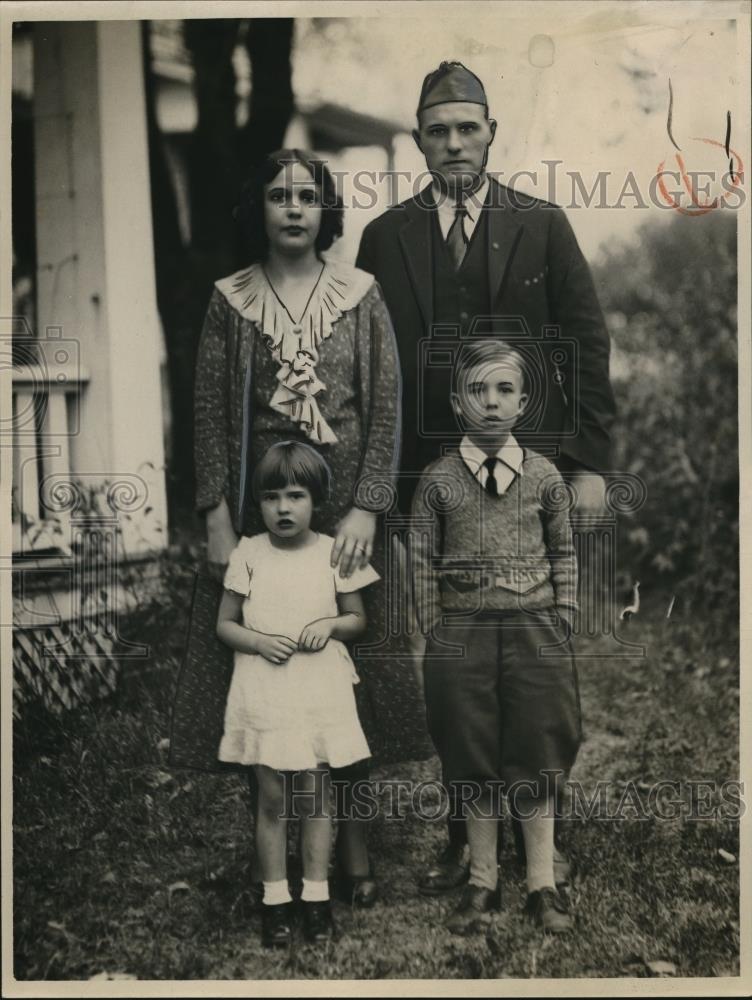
x: 491, y: 485
x: 456, y: 239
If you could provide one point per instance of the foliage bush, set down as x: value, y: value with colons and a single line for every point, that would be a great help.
x: 670, y: 302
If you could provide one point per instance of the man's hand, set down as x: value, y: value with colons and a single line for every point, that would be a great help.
x: 590, y: 493
x: 316, y: 635
x: 353, y: 546
x: 220, y: 539
x: 277, y: 649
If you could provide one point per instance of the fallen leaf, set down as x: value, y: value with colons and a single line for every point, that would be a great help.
x: 727, y: 856
x: 161, y: 778
x: 178, y: 887
x: 164, y: 743
x: 660, y: 968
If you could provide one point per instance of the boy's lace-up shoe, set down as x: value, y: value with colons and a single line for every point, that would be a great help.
x: 276, y: 925
x: 451, y: 870
x: 548, y: 909
x: 473, y: 912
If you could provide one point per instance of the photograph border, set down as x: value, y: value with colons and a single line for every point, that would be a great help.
x: 122, y: 10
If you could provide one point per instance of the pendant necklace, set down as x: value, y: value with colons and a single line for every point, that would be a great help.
x: 296, y: 326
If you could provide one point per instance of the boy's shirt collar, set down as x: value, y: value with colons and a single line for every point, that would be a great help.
x: 509, y: 459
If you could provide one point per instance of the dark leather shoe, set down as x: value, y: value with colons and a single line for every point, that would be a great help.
x: 359, y: 891
x: 318, y: 922
x: 276, y: 925
x: 451, y: 870
x: 548, y: 909
x: 473, y: 913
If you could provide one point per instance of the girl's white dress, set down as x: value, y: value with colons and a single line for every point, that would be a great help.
x: 301, y: 713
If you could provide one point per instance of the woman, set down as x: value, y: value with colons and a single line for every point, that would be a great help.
x: 298, y: 347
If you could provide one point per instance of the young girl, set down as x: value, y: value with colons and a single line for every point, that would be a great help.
x: 287, y: 613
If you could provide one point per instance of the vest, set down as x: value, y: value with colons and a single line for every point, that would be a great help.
x: 460, y: 296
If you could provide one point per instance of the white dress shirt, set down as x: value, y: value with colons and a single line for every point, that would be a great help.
x: 446, y: 206
x: 509, y: 460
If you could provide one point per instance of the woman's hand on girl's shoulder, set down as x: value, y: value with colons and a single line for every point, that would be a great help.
x: 353, y: 546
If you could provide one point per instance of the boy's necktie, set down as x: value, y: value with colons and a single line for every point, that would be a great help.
x: 456, y: 239
x: 491, y: 485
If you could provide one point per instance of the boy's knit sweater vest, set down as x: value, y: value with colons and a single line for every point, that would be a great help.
x: 474, y: 551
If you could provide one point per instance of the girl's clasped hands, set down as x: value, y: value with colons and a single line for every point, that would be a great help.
x: 278, y: 649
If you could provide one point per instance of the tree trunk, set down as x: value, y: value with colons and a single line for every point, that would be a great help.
x: 269, y: 46
x: 213, y: 162
x: 221, y: 156
x: 176, y: 301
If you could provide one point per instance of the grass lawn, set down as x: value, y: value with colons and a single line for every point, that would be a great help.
x: 124, y: 868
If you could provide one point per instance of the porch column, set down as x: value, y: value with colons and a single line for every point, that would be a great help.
x: 96, y: 267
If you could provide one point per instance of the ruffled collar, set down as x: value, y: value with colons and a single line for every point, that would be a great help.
x: 295, y: 346
x: 341, y: 287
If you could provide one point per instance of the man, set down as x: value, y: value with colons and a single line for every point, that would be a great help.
x: 468, y: 256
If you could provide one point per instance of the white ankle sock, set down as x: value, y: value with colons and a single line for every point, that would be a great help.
x: 276, y: 893
x: 315, y: 892
x: 539, y: 848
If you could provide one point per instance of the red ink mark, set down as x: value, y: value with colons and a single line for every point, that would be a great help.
x: 700, y: 208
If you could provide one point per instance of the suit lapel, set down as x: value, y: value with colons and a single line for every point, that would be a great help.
x: 504, y: 234
x: 415, y: 238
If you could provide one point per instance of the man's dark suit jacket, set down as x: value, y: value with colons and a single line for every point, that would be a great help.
x: 538, y: 279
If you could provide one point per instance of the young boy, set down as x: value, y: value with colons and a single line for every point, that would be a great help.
x: 493, y: 549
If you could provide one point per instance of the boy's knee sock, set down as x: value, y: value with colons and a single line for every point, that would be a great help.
x: 481, y: 836
x: 538, y: 831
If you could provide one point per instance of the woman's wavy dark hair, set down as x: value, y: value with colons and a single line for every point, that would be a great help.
x: 250, y: 211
